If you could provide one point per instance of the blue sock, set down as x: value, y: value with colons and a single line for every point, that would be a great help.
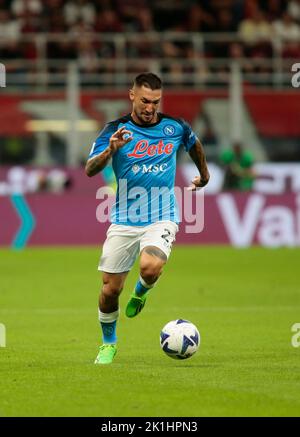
x: 141, y: 287
x: 108, y: 322
x: 109, y: 332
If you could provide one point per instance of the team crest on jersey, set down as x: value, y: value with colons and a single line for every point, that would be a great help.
x: 169, y: 130
x: 135, y: 168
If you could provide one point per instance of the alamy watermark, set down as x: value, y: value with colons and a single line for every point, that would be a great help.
x: 2, y: 335
x: 140, y: 206
x: 296, y: 336
x: 296, y: 76
x: 2, y: 76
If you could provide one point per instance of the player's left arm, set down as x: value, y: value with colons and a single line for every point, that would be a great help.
x: 197, y: 154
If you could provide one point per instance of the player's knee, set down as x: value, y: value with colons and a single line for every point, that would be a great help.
x: 150, y: 272
x: 111, y: 290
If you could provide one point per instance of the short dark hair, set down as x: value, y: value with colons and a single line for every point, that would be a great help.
x: 149, y: 80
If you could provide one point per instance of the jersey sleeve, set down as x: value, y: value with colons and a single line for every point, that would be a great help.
x: 188, y: 137
x: 102, y: 141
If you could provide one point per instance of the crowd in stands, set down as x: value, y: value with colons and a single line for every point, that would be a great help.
x: 259, y: 26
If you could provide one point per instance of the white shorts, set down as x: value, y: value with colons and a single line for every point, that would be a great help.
x: 124, y: 243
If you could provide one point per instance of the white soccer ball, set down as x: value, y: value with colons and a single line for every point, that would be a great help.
x: 180, y: 339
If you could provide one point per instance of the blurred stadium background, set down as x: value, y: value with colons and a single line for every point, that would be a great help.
x: 227, y: 69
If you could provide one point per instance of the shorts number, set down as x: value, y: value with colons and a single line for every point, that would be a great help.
x: 167, y: 236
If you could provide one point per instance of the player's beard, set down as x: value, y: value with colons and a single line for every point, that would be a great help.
x: 144, y: 119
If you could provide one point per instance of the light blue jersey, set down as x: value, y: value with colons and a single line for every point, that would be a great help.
x: 145, y: 168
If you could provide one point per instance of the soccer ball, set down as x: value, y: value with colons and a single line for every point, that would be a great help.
x: 180, y: 339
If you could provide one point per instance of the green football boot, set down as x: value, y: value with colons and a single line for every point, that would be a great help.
x: 106, y: 354
x: 135, y: 305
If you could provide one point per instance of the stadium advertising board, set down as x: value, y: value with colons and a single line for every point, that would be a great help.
x: 268, y: 216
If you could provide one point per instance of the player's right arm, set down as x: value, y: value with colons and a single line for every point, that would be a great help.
x: 97, y: 163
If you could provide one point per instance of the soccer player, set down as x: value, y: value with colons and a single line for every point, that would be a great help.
x: 143, y: 147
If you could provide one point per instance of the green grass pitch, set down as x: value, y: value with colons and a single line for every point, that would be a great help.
x: 244, y: 303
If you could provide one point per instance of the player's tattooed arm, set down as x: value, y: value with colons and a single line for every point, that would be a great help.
x: 198, y: 156
x: 96, y: 164
x: 116, y: 141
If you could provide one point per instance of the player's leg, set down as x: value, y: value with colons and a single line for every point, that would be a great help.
x: 156, y: 247
x: 113, y: 284
x: 119, y: 253
x: 151, y: 264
